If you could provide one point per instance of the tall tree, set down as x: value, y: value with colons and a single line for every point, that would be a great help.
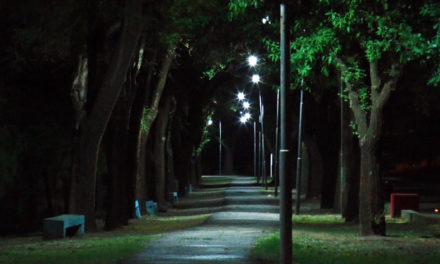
x: 370, y: 42
x: 94, y: 121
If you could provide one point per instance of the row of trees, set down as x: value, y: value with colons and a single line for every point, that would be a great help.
x: 106, y: 101
x: 127, y: 87
x: 367, y: 45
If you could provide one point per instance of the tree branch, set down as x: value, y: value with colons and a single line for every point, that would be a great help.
x: 380, y: 100
x: 355, y: 105
x: 390, y: 85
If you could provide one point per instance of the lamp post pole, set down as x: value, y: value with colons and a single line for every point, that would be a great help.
x: 263, y: 149
x: 299, y: 159
x: 220, y: 149
x: 275, y: 178
x: 285, y: 186
x: 255, y: 149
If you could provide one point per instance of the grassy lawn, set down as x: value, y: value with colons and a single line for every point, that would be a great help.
x: 327, y: 239
x: 216, y: 180
x: 99, y: 247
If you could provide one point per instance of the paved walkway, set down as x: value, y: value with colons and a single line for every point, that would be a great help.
x: 243, y: 215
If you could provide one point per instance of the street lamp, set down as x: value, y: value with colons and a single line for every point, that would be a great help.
x: 243, y: 119
x: 252, y: 60
x: 240, y: 96
x: 209, y: 122
x: 255, y: 78
x: 246, y: 105
x: 265, y: 20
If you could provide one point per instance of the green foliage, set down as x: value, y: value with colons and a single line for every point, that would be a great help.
x: 206, y: 137
x: 238, y: 7
x: 356, y: 33
x: 354, y: 128
x: 210, y: 74
x: 273, y: 49
x: 432, y: 12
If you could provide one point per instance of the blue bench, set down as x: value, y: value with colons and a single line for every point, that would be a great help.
x: 55, y: 227
x: 151, y: 207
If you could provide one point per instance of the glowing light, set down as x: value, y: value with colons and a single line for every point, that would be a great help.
x: 252, y: 60
x: 209, y: 122
x: 247, y: 116
x: 266, y: 20
x: 255, y: 78
x: 436, y: 210
x: 243, y: 119
x: 246, y: 105
x: 240, y: 96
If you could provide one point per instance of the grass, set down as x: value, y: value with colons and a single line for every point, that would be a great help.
x: 217, y: 180
x: 271, y: 190
x: 100, y: 247
x: 327, y: 239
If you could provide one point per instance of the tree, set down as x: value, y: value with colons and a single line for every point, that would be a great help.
x: 94, y: 121
x: 369, y: 42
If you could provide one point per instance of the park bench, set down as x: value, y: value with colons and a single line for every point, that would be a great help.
x: 58, y: 226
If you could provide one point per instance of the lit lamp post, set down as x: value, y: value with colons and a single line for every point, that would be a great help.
x: 256, y: 80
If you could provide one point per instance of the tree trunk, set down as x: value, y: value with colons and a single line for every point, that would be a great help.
x: 371, y: 214
x: 229, y: 158
x: 159, y: 152
x: 91, y: 130
x: 171, y: 179
x: 316, y: 170
x: 349, y: 198
x: 141, y: 191
x: 136, y: 155
x: 149, y: 114
x: 121, y: 203
x: 371, y: 203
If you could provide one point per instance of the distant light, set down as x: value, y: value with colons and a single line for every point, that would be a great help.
x: 243, y: 119
x: 255, y: 78
x: 246, y: 105
x: 436, y: 210
x: 247, y: 116
x: 240, y: 96
x: 252, y: 60
x: 209, y: 122
x: 266, y: 20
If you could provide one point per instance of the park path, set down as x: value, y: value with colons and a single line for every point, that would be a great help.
x: 245, y: 214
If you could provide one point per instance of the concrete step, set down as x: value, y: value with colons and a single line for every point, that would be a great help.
x: 252, y: 208
x: 227, y: 185
x: 191, y: 203
x: 244, y: 191
x: 244, y: 219
x: 193, y: 211
x: 251, y: 200
x: 209, y: 194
